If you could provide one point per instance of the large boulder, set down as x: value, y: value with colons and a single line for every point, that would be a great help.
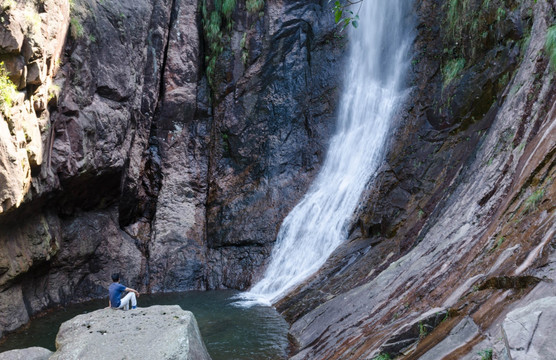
x: 32, y: 353
x: 156, y: 332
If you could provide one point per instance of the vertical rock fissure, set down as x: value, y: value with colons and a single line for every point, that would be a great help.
x: 203, y: 50
x: 151, y: 177
x: 203, y: 62
x: 161, y: 92
x: 154, y: 150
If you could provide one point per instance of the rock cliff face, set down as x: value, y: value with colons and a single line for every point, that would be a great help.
x: 180, y: 133
x: 460, y: 223
x: 119, y: 153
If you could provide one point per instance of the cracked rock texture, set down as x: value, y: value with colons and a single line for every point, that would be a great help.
x: 172, y: 155
x: 527, y: 330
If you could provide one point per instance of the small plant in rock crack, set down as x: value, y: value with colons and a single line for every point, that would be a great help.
x: 452, y: 69
x: 422, y: 330
x: 254, y: 6
x: 485, y: 354
x: 533, y: 201
x: 8, y: 90
x: 382, y: 356
x: 76, y: 29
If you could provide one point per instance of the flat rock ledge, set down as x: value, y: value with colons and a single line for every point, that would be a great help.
x: 156, y: 332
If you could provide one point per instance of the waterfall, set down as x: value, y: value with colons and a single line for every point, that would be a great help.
x: 374, y: 86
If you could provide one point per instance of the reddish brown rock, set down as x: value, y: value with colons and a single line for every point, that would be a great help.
x: 468, y: 177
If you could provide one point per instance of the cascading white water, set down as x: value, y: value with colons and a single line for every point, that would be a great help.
x: 373, y: 88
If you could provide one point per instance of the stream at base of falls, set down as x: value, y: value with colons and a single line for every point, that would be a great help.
x: 229, y: 332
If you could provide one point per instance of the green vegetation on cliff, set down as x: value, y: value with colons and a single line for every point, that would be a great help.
x: 550, y: 45
x: 452, y: 69
x: 472, y: 27
x: 76, y: 29
x: 254, y: 6
x: 485, y: 354
x: 8, y: 90
x: 344, y: 16
x: 217, y: 25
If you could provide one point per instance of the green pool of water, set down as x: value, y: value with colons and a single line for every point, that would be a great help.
x: 229, y: 332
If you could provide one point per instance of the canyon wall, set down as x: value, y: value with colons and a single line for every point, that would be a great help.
x: 459, y: 227
x: 168, y: 139
x: 123, y: 155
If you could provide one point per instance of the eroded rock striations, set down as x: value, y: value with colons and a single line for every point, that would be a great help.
x: 462, y: 215
x: 121, y: 154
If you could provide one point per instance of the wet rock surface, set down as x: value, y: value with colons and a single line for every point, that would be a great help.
x: 156, y: 332
x: 270, y: 132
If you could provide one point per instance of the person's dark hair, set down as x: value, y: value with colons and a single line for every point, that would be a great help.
x: 115, y: 277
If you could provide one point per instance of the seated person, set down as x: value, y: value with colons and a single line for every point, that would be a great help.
x: 115, y: 291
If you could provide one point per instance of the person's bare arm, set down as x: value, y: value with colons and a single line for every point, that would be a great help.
x: 132, y: 290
